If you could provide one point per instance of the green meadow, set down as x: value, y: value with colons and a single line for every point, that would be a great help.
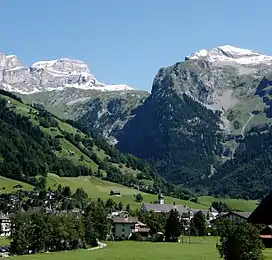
x: 141, y: 251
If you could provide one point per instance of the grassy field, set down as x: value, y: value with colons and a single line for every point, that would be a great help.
x: 6, y: 185
x: 97, y: 188
x: 235, y: 204
x: 140, y: 250
x: 4, y: 241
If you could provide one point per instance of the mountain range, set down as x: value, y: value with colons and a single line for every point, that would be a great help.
x: 198, y: 123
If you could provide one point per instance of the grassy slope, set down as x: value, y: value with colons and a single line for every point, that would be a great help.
x: 67, y: 147
x: 9, y: 183
x: 4, y: 241
x: 97, y: 188
x: 236, y: 204
x: 140, y: 250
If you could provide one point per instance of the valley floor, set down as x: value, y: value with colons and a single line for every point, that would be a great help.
x: 97, y: 188
x: 141, y: 250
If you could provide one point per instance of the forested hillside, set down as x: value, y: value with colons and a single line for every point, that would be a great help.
x: 35, y: 142
x: 249, y: 174
x: 177, y: 134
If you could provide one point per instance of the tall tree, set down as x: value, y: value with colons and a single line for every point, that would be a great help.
x: 139, y: 197
x: 239, y: 241
x: 173, y: 226
x: 120, y: 206
x: 198, y: 224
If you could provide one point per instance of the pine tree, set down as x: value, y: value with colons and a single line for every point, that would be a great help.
x: 173, y: 226
x: 198, y: 224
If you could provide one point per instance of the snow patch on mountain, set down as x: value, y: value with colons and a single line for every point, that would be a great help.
x: 231, y: 54
x: 50, y: 75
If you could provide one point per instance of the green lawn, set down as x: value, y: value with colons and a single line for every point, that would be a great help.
x: 235, y: 204
x: 4, y: 241
x: 6, y: 185
x: 97, y: 188
x: 140, y: 251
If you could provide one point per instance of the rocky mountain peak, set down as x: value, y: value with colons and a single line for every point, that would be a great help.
x: 231, y: 55
x: 64, y: 65
x: 49, y: 75
x: 9, y: 62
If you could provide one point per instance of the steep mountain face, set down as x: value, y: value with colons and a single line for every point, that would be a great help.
x: 199, y: 111
x: 103, y: 112
x: 49, y: 75
x: 67, y: 88
x: 196, y: 126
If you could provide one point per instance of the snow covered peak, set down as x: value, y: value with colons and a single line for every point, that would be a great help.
x: 62, y: 65
x: 231, y: 54
x: 49, y: 75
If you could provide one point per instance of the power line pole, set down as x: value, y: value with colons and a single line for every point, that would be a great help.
x: 189, y: 226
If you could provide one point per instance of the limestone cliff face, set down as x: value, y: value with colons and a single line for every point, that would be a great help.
x: 50, y: 75
x: 198, y: 112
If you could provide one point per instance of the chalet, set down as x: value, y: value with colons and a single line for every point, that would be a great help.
x: 236, y: 216
x: 266, y: 236
x: 17, y: 186
x: 123, y: 228
x: 115, y: 193
x: 5, y: 225
x: 263, y: 215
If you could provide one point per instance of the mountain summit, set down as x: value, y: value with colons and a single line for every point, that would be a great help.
x: 49, y: 75
x: 231, y: 54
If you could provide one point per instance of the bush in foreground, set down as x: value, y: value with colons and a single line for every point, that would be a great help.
x: 239, y: 241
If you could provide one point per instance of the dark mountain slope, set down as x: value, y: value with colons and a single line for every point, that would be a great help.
x: 249, y: 174
x: 177, y: 134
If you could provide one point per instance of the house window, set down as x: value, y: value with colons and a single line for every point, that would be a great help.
x: 123, y: 230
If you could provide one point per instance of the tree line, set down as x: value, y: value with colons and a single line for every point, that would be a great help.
x: 36, y: 232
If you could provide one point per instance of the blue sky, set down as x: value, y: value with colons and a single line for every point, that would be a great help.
x: 127, y: 41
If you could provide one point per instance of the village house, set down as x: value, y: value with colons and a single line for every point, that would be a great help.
x: 236, y: 216
x: 115, y: 193
x: 17, y: 186
x: 5, y: 225
x: 263, y: 215
x: 123, y: 228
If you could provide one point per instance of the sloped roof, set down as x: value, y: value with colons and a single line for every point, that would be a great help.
x: 130, y: 220
x: 164, y: 207
x: 244, y: 215
x: 263, y: 213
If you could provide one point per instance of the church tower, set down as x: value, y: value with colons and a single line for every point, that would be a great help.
x: 160, y: 198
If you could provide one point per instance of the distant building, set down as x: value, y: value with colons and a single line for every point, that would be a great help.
x: 163, y: 208
x: 115, y: 193
x: 123, y: 228
x: 160, y: 198
x: 5, y: 225
x: 236, y: 216
x: 17, y: 186
x: 263, y: 215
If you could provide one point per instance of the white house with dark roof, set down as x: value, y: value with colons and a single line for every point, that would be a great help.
x: 123, y: 228
x: 5, y: 225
